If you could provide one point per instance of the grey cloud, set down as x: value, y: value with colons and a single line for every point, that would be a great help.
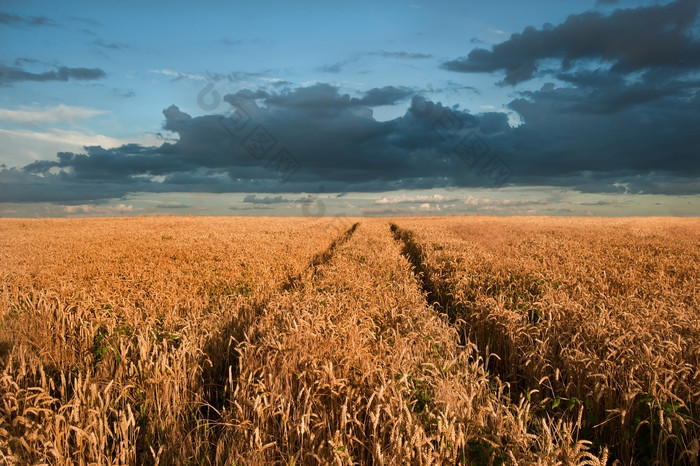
x: 630, y: 39
x: 90, y: 21
x: 124, y: 92
x: 172, y: 205
x: 109, y: 45
x: 11, y: 19
x: 598, y: 203
x: 334, y: 145
x: 401, y: 55
x: 338, y: 66
x: 493, y: 123
x: 173, y: 113
x: 253, y: 199
x: 120, y: 164
x: 387, y: 212
x: 324, y: 97
x: 610, y: 93
x: 644, y: 145
x: 627, y: 119
x: 9, y: 75
x: 244, y: 76
x: 337, y: 143
x: 31, y: 61
x: 454, y: 86
x: 259, y: 207
x: 23, y: 186
x: 386, y: 95
x: 228, y: 42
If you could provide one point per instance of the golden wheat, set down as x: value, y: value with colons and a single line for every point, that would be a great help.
x: 314, y: 341
x: 583, y: 312
x: 109, y: 326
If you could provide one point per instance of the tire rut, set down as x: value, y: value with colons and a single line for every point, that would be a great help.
x: 443, y: 302
x: 413, y: 251
x: 322, y: 257
x: 223, y: 351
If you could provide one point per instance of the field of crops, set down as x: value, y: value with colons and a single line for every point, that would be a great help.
x: 460, y: 340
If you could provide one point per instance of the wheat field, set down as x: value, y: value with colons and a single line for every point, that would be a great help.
x: 456, y: 340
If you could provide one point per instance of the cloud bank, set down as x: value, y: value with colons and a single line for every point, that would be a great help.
x: 620, y: 116
x: 658, y: 37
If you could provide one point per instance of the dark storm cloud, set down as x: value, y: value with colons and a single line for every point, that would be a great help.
x: 609, y: 93
x: 11, y: 74
x: 324, y: 96
x: 317, y: 139
x: 22, y: 186
x: 639, y: 147
x: 387, y: 95
x: 628, y: 119
x: 333, y: 138
x: 494, y: 123
x: 631, y: 40
x: 123, y: 164
x: 16, y: 20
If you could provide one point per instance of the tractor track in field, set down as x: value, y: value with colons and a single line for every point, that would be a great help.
x: 413, y: 251
x: 442, y: 301
x: 322, y: 257
x: 223, y: 350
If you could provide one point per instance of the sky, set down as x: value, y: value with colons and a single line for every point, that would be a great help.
x: 340, y: 108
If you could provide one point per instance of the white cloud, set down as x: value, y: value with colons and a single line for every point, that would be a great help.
x: 20, y: 147
x: 75, y: 138
x: 412, y: 199
x: 100, y: 210
x: 179, y: 74
x: 56, y: 114
x: 31, y: 133
x: 495, y: 203
x: 272, y: 80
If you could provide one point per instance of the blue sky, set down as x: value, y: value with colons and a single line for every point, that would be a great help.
x: 351, y: 108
